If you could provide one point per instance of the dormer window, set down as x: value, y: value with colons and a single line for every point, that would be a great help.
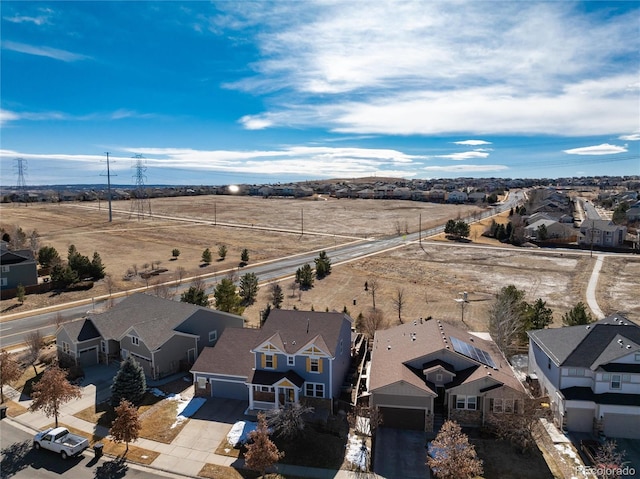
x: 291, y: 360
x: 268, y: 361
x: 135, y: 340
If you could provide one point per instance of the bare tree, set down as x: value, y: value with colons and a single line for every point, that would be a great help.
x: 180, y: 271
x: 365, y: 420
x: 108, y: 281
x: 52, y: 391
x: 134, y: 268
x: 505, y: 324
x: 34, y: 242
x: 610, y: 460
x: 162, y: 290
x: 399, y: 302
x: 451, y: 456
x: 126, y: 426
x: 517, y: 426
x: 262, y: 452
x: 373, y: 287
x: 293, y: 286
x: 10, y: 371
x: 35, y: 343
x: 372, y: 321
x: 288, y: 422
x: 59, y: 320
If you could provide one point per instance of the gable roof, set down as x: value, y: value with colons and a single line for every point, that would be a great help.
x: 291, y: 330
x: 395, y: 348
x: 155, y: 320
x: 16, y: 257
x: 589, y: 346
x: 231, y: 355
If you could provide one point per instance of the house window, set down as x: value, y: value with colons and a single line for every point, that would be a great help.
x: 202, y: 383
x: 549, y: 364
x: 5, y: 268
x: 615, y: 381
x: 467, y: 402
x: 314, y: 390
x: 65, y: 347
x: 103, y: 347
x: 135, y: 340
x: 626, y: 378
x: 266, y: 389
x: 314, y: 365
x: 291, y: 360
x: 461, y: 402
x: 508, y: 405
x: 497, y: 405
x: 606, y: 377
x: 472, y: 402
x: 637, y: 357
x: 213, y: 336
x: 3, y: 281
x: 268, y: 361
x: 439, y: 377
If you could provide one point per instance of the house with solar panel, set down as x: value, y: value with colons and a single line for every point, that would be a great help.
x: 426, y: 371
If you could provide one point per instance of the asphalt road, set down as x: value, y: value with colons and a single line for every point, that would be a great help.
x: 13, y: 332
x: 20, y: 460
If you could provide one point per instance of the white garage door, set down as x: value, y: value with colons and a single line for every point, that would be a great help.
x: 580, y: 420
x: 622, y: 425
x: 229, y: 390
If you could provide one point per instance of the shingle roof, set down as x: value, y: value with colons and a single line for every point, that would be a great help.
x: 396, y: 348
x: 154, y: 319
x: 15, y: 257
x: 578, y: 393
x: 268, y: 378
x: 231, y: 355
x: 589, y: 346
x: 290, y: 330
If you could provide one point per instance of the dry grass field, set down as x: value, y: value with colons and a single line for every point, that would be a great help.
x: 430, y: 277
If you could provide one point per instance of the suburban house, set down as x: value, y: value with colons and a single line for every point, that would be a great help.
x: 591, y: 374
x: 164, y: 336
x: 554, y: 231
x: 601, y: 233
x: 633, y: 213
x: 17, y: 267
x: 296, y: 355
x: 457, y: 197
x: 425, y: 371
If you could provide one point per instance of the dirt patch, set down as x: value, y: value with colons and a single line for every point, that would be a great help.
x: 431, y: 277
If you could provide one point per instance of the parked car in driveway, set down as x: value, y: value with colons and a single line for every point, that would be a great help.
x: 61, y: 441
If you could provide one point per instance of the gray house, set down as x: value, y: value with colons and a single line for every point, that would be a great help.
x: 296, y: 355
x: 164, y: 336
x: 591, y: 374
x: 17, y: 267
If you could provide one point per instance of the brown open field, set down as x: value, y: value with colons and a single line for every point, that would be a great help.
x: 431, y: 278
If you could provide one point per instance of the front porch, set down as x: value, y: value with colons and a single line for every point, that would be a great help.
x: 274, y: 390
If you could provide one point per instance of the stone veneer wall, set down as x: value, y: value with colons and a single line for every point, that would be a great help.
x: 466, y: 417
x: 428, y: 422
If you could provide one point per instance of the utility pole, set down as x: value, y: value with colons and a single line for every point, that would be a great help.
x: 302, y: 221
x: 21, y: 167
x: 109, y: 187
x: 463, y: 302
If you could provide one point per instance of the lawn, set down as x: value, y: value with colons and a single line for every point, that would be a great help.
x: 215, y: 471
x: 501, y: 460
x: 158, y: 418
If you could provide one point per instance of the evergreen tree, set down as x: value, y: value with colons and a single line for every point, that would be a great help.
x: 462, y: 229
x: 304, y: 276
x: 277, y: 296
x: 222, y: 252
x: 450, y: 227
x: 537, y: 315
x: 244, y: 257
x: 20, y: 293
x: 227, y: 299
x: 175, y: 252
x: 195, y: 295
x: 129, y: 383
x: 578, y: 315
x: 97, y: 269
x: 48, y: 257
x: 206, y: 256
x: 249, y: 288
x: 323, y: 265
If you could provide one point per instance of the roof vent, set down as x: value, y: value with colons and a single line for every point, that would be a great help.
x: 388, y: 347
x: 628, y: 346
x: 619, y: 341
x: 588, y: 327
x: 415, y: 322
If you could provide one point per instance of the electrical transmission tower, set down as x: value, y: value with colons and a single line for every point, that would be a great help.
x: 21, y: 168
x: 140, y: 203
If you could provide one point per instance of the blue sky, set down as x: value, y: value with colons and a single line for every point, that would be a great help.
x: 264, y: 92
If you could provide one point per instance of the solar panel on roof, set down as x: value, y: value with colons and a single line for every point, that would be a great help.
x: 472, y: 352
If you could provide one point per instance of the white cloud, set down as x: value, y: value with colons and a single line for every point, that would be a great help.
x: 49, y: 52
x: 632, y: 137
x: 465, y: 155
x: 604, y: 149
x: 426, y: 68
x: 466, y: 168
x: 7, y: 116
x: 39, y: 20
x: 472, y: 142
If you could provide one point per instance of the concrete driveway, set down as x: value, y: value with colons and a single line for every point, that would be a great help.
x: 632, y: 456
x: 400, y: 453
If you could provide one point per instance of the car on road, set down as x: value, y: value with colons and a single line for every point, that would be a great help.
x: 60, y: 441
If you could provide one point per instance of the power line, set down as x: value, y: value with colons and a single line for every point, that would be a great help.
x: 141, y: 201
x: 21, y: 167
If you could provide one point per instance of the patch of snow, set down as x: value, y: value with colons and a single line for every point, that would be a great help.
x: 239, y: 432
x: 357, y: 452
x: 186, y: 407
x: 157, y: 392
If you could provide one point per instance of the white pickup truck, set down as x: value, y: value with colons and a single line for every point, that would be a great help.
x: 61, y: 441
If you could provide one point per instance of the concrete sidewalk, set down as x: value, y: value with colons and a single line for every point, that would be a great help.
x: 187, y: 454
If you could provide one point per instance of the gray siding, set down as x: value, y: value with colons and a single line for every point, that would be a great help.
x: 167, y: 360
x: 204, y: 321
x: 25, y: 274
